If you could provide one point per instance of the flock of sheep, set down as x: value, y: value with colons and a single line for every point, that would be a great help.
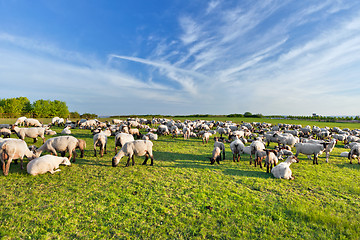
x: 307, y: 140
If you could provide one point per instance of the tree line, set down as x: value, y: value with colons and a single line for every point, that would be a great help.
x: 21, y: 106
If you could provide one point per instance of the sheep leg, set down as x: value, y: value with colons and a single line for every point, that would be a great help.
x: 152, y: 160
x: 255, y: 161
x: 218, y: 159
x: 105, y: 149
x: 234, y: 157
x: 133, y: 160
x: 3, y: 165
x: 128, y: 162
x: 101, y: 151
x: 54, y: 171
x: 35, y: 140
x: 94, y: 152
x: 21, y: 164
x: 146, y: 158
x: 268, y: 168
x: 6, y: 172
x: 62, y: 153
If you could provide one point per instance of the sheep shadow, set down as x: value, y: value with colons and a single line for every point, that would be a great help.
x: 354, y: 165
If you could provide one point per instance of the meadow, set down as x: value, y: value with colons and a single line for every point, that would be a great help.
x: 182, y: 196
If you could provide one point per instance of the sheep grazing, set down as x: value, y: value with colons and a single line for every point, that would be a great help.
x: 50, y: 132
x: 283, y: 169
x: 310, y: 149
x: 47, y: 163
x: 329, y: 148
x: 270, y: 160
x: 220, y: 145
x: 121, y: 139
x: 138, y: 148
x: 149, y: 136
x: 29, y: 132
x: 255, y: 146
x: 260, y: 155
x: 354, y: 153
x: 135, y: 131
x: 100, y: 140
x: 216, y: 156
x: 13, y: 149
x: 32, y: 122
x: 61, y: 144
x: 237, y: 147
x: 20, y: 121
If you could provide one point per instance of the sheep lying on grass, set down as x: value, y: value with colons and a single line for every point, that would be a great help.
x: 47, y: 163
x: 13, y: 149
x: 138, y: 148
x: 283, y: 169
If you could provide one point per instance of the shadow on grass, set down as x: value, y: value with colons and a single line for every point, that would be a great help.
x: 180, y: 160
x: 354, y: 165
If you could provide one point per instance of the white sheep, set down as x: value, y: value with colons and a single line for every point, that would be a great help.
x: 205, y: 137
x: 20, y: 121
x: 283, y: 169
x: 5, y: 132
x: 310, y: 149
x: 100, y: 140
x: 30, y: 132
x: 50, y: 132
x: 149, y: 136
x: 121, y: 139
x: 61, y: 144
x: 32, y: 122
x: 47, y: 163
x: 219, y: 145
x: 329, y: 148
x: 138, y: 148
x: 13, y: 149
x: 237, y: 147
x: 255, y: 146
x: 354, y: 153
x: 216, y: 155
x: 66, y: 130
x: 344, y: 154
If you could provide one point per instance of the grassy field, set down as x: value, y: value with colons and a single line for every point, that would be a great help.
x: 182, y: 197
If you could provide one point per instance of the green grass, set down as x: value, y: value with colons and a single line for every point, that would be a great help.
x: 181, y: 197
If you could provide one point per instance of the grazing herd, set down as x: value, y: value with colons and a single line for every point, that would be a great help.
x: 310, y: 141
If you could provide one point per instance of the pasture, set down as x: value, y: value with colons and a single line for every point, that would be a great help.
x: 182, y: 196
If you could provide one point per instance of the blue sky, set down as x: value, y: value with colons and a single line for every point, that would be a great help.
x: 184, y: 57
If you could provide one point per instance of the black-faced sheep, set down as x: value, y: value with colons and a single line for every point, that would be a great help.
x: 270, y: 160
x: 100, y: 140
x: 237, y: 147
x: 121, y: 139
x: 138, y: 148
x: 216, y: 155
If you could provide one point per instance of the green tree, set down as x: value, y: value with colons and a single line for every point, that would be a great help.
x: 247, y: 114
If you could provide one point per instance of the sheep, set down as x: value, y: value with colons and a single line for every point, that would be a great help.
x: 216, y: 155
x: 205, y: 137
x: 121, y: 139
x: 220, y: 145
x: 254, y: 146
x: 5, y: 132
x: 66, y: 131
x: 344, y: 154
x: 186, y: 132
x: 259, y: 156
x: 100, y: 139
x: 138, y: 148
x: 354, y: 153
x: 29, y: 132
x: 134, y: 131
x: 283, y: 169
x: 20, y: 121
x: 287, y: 139
x: 50, y: 132
x: 150, y: 136
x: 270, y: 160
x: 329, y: 148
x: 237, y: 147
x: 32, y: 122
x: 61, y: 144
x: 54, y: 120
x: 309, y: 149
x: 13, y: 149
x: 47, y: 163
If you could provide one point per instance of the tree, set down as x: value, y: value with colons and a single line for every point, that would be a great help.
x: 247, y: 114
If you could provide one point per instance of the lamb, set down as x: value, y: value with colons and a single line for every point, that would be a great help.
x: 134, y: 131
x: 100, y: 139
x: 29, y: 132
x: 50, y: 132
x: 138, y: 148
x: 309, y: 149
x: 259, y: 156
x: 270, y: 160
x: 20, y: 121
x: 121, y: 139
x: 61, y: 144
x: 13, y: 149
x: 283, y: 169
x: 220, y: 145
x: 255, y: 146
x: 163, y: 130
x: 237, y: 147
x: 216, y: 155
x: 354, y: 153
x: 47, y: 163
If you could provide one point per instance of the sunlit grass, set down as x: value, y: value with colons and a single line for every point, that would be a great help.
x: 181, y: 197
